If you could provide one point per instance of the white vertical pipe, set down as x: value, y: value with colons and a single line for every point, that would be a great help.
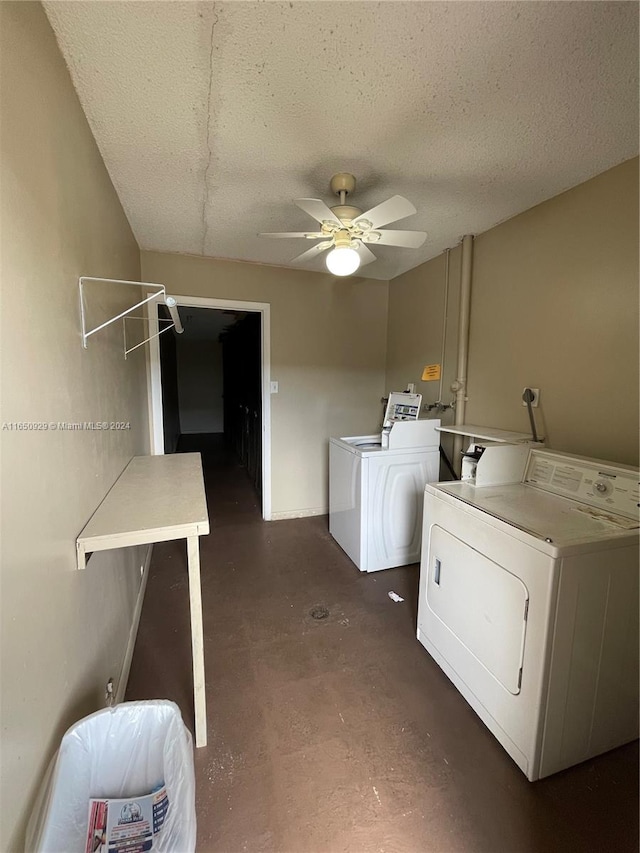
x: 460, y: 385
x: 444, y: 322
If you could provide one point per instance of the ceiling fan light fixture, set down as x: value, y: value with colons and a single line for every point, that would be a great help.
x: 345, y: 230
x: 343, y: 260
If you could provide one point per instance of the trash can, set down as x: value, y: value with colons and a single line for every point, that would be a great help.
x: 122, y: 779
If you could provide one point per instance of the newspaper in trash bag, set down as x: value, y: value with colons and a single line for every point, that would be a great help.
x: 127, y: 825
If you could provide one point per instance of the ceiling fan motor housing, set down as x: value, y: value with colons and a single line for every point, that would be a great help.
x: 346, y: 212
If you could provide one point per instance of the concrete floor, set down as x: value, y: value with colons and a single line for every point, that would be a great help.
x: 342, y: 734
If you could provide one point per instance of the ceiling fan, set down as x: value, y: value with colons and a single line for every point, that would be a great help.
x: 346, y: 230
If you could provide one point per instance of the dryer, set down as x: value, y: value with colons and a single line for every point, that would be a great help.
x: 528, y: 600
x: 376, y: 492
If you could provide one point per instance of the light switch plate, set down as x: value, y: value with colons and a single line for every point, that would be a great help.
x: 274, y: 386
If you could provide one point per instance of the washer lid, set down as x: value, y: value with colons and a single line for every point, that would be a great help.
x: 360, y: 445
x: 547, y: 517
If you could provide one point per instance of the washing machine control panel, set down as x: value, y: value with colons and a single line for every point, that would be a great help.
x: 600, y: 484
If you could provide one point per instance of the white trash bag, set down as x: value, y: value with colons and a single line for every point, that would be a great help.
x: 124, y: 753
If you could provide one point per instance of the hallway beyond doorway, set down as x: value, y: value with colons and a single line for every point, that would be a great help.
x: 211, y: 376
x: 250, y: 433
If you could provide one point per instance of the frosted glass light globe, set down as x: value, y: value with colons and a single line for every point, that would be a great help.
x: 343, y: 260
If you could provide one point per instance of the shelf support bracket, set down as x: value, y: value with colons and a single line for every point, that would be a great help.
x: 86, y: 333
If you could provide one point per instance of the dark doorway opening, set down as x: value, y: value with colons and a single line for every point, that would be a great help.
x: 242, y: 382
x: 212, y: 386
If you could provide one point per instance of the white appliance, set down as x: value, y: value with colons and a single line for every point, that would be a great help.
x: 529, y: 603
x: 508, y: 462
x: 376, y: 487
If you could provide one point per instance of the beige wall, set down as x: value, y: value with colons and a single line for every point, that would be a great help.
x: 554, y: 306
x: 328, y: 342
x: 64, y: 632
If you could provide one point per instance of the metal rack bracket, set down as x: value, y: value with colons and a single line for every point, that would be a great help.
x: 159, y: 293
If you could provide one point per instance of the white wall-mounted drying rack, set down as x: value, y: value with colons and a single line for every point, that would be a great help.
x: 158, y: 294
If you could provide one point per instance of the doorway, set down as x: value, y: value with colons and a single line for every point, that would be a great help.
x: 214, y: 381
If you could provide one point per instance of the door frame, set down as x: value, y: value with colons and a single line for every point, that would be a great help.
x: 154, y: 378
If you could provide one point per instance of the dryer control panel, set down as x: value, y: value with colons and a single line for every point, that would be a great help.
x: 600, y: 484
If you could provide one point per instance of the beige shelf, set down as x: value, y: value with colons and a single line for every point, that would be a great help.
x: 487, y: 433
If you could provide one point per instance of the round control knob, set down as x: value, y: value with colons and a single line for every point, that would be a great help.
x: 602, y: 487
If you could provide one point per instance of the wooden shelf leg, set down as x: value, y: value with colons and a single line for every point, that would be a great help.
x: 197, y: 640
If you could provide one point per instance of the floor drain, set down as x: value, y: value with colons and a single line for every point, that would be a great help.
x: 319, y: 612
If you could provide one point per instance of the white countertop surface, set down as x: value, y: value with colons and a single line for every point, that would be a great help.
x: 153, y: 495
x: 487, y: 433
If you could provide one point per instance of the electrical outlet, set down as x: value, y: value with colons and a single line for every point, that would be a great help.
x: 536, y: 397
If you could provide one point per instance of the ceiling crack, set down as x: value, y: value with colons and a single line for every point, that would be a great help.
x: 205, y: 200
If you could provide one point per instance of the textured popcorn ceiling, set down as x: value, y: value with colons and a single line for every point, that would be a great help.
x: 211, y: 117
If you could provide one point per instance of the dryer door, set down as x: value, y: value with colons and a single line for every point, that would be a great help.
x: 483, y: 607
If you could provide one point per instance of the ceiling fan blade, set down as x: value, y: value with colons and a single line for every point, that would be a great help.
x: 312, y: 252
x: 366, y: 255
x: 407, y: 239
x: 291, y: 234
x: 316, y: 208
x: 390, y: 210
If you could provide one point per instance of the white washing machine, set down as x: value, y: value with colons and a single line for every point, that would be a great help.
x: 376, y: 493
x: 529, y: 603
